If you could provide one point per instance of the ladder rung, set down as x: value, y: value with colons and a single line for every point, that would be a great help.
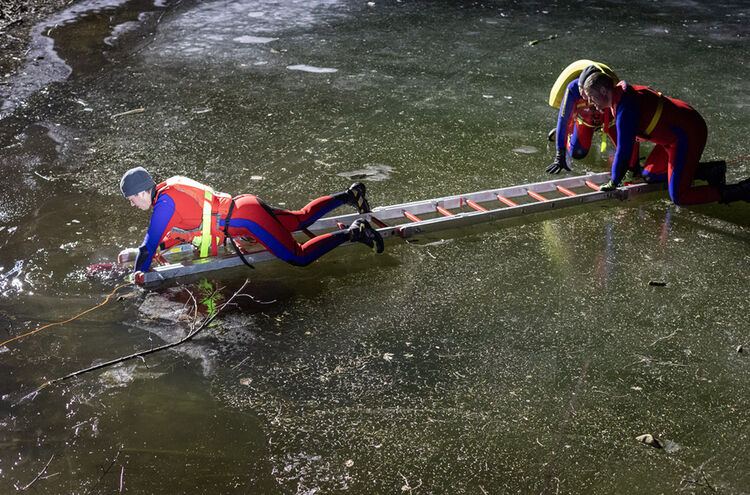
x: 506, y: 200
x: 378, y: 222
x: 592, y: 185
x: 475, y: 206
x: 411, y: 216
x: 566, y: 191
x: 443, y: 211
x: 536, y: 196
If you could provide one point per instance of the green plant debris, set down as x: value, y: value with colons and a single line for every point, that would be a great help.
x: 209, y: 297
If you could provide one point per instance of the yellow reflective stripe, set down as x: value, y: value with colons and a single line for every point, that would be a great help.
x: 581, y: 122
x: 656, y: 117
x: 603, y: 146
x: 206, y: 225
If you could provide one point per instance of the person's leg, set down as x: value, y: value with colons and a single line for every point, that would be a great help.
x: 313, y: 211
x: 683, y: 161
x: 657, y: 164
x: 317, y: 208
x: 251, y: 217
x: 580, y: 140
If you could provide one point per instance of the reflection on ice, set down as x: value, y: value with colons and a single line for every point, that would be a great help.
x: 119, y: 30
x: 10, y: 281
x: 376, y: 172
x: 310, y: 68
x: 254, y: 39
x: 526, y: 149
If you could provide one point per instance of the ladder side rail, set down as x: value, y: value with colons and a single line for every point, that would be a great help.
x: 162, y: 273
x: 474, y: 217
x: 469, y: 218
x: 455, y: 201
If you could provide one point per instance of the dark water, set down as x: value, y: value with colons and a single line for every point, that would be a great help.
x: 522, y: 356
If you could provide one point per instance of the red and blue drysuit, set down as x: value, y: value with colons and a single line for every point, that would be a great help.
x: 675, y: 127
x: 176, y: 212
x: 578, y: 119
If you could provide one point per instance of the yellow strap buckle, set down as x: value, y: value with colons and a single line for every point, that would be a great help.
x: 205, y: 241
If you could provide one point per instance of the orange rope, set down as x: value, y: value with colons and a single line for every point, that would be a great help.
x: 739, y: 159
x: 69, y: 319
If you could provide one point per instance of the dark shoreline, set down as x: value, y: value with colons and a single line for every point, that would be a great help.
x: 17, y: 17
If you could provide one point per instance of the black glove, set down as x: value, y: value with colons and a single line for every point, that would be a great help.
x: 141, y: 258
x: 560, y: 163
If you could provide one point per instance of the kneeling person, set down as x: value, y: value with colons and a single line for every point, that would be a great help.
x: 677, y: 129
x: 578, y: 119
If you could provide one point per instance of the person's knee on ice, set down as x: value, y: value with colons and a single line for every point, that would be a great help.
x: 579, y: 153
x: 649, y: 176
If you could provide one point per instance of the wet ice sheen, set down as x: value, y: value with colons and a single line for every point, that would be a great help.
x: 516, y: 357
x: 254, y: 39
x: 310, y: 68
x: 222, y: 30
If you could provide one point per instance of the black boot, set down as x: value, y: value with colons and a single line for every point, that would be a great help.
x: 360, y: 231
x: 357, y: 198
x: 735, y: 192
x: 712, y: 172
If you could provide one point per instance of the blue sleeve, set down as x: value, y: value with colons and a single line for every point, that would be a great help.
x: 566, y: 110
x: 627, y: 117
x: 157, y: 228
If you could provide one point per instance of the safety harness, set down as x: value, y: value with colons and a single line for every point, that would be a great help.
x: 231, y: 241
x: 214, y: 205
x: 656, y: 117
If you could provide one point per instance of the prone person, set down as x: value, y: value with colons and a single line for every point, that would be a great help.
x: 185, y: 211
